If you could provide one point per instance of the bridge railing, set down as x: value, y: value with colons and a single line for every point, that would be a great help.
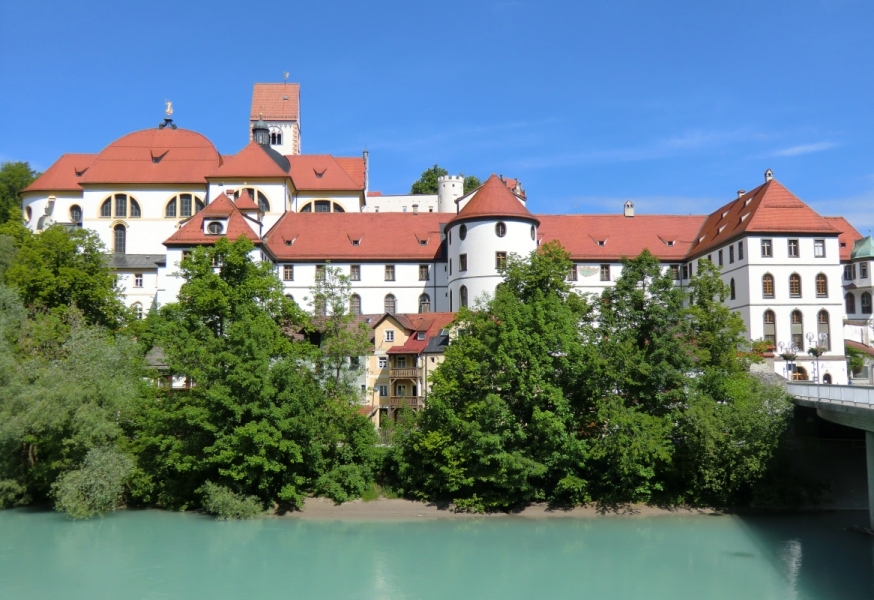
x: 844, y: 394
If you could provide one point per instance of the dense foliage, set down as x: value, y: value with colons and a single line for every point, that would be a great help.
x: 641, y: 394
x: 14, y: 177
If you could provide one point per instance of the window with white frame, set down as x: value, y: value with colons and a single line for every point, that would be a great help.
x: 819, y: 248
x: 767, y: 249
x: 138, y: 280
x: 383, y: 390
x: 382, y: 362
x: 288, y: 273
x: 389, y: 335
x: 792, y: 248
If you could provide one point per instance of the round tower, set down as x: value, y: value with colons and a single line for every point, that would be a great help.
x: 449, y: 189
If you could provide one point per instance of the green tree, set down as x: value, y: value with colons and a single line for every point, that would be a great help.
x: 256, y: 421
x: 427, y: 183
x: 14, y: 177
x: 60, y: 397
x: 343, y: 340
x: 500, y: 428
x: 61, y: 269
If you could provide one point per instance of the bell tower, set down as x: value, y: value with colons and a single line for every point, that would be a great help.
x: 277, y: 105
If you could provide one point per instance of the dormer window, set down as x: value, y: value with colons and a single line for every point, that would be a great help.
x: 320, y: 174
x: 601, y: 242
x: 420, y: 335
x: 214, y: 227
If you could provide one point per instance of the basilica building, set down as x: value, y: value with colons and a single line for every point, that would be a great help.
x: 798, y: 279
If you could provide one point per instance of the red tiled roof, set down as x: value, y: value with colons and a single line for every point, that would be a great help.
x: 768, y: 208
x: 251, y: 161
x: 245, y: 202
x: 276, y: 101
x: 430, y: 323
x: 493, y: 199
x: 354, y: 167
x: 321, y: 172
x: 191, y: 231
x: 64, y: 175
x: 848, y: 235
x: 155, y: 156
x: 622, y: 236
x: 329, y: 236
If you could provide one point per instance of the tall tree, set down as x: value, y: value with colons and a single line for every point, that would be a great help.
x: 14, y: 177
x: 343, y: 340
x: 59, y: 269
x: 256, y: 421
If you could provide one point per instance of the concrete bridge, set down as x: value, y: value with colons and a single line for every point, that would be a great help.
x: 850, y: 405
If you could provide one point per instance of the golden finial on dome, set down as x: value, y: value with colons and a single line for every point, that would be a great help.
x: 169, y: 109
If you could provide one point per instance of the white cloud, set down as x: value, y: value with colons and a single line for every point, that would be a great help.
x: 805, y: 149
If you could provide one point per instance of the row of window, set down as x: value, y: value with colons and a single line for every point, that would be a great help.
x: 322, y: 206
x: 500, y: 231
x: 796, y: 328
x: 850, y: 271
x: 355, y: 272
x: 390, y: 305
x: 179, y: 206
x: 500, y: 262
x: 865, y: 301
x: 793, y: 248
x: 794, y: 286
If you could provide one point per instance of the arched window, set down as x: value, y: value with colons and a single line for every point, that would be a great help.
x: 851, y: 303
x: 275, y: 138
x: 338, y: 208
x: 822, y: 327
x: 120, y: 239
x: 770, y: 327
x: 106, y: 209
x: 391, y: 303
x: 135, y: 209
x: 533, y: 232
x: 500, y: 229
x: 866, y: 303
x: 827, y: 379
x: 307, y: 208
x: 462, y: 296
x: 767, y: 286
x: 796, y: 327
x: 795, y: 285
x: 424, y: 303
x: 323, y: 206
x: 183, y: 205
x: 120, y: 205
x: 731, y: 288
x: 355, y: 304
x: 76, y: 214
x: 138, y: 310
x: 821, y: 286
x: 28, y: 214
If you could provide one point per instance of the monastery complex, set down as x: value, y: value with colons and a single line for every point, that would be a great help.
x: 796, y: 277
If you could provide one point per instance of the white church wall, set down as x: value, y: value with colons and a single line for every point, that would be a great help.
x: 401, y: 203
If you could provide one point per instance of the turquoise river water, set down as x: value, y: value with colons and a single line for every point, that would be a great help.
x: 154, y: 554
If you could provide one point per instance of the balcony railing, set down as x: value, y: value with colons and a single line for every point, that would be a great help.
x: 408, y: 373
x: 408, y: 401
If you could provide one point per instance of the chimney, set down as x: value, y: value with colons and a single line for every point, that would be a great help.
x: 769, y: 175
x: 740, y: 193
x: 415, y: 209
x: 629, y: 209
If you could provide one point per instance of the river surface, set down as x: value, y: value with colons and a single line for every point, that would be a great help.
x: 155, y: 554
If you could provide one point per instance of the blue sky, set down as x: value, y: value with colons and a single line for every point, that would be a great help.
x: 675, y: 105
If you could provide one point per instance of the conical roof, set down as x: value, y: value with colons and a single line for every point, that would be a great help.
x: 493, y: 199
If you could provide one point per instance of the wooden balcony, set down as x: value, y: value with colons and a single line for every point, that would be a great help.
x: 407, y: 373
x: 414, y: 402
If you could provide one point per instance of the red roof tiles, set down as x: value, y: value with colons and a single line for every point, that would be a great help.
x: 276, y: 101
x: 768, y: 208
x: 251, y: 161
x: 430, y: 323
x: 668, y: 237
x: 847, y: 236
x: 245, y: 203
x: 155, y: 156
x: 354, y: 167
x: 493, y: 199
x: 63, y: 175
x: 382, y: 236
x: 191, y: 232
x: 323, y: 172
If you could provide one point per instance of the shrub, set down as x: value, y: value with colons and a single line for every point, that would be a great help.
x: 226, y: 504
x: 95, y: 488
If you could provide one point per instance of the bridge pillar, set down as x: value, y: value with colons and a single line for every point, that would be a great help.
x: 869, y: 451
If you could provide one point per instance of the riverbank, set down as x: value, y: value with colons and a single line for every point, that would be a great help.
x: 400, y: 509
